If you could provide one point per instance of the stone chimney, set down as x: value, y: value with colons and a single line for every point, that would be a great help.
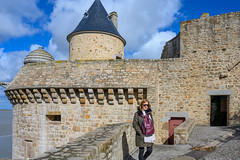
x: 114, y: 18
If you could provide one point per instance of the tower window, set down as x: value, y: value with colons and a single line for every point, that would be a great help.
x: 86, y: 14
x: 118, y: 56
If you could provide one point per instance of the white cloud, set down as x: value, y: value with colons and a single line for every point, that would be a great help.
x: 10, y: 63
x: 64, y: 18
x: 138, y: 20
x: 34, y: 47
x: 52, y: 48
x: 153, y: 48
x: 17, y: 17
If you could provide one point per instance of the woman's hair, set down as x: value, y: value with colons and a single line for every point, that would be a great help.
x: 144, y: 101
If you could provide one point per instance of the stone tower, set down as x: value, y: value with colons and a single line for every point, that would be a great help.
x: 96, y: 37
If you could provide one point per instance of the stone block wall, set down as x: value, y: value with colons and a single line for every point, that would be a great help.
x: 211, y: 45
x: 183, y: 131
x: 210, y: 36
x: 115, y: 141
x: 209, y: 61
x: 95, y: 46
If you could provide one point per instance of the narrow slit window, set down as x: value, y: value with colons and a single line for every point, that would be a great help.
x: 54, y: 117
x: 118, y: 57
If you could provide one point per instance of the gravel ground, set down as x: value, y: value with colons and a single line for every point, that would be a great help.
x: 228, y: 151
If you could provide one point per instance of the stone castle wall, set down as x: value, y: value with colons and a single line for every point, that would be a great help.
x: 90, y: 94
x: 211, y: 45
x: 210, y: 57
x: 95, y: 46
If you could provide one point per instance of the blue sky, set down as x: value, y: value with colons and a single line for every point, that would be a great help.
x: 145, y: 24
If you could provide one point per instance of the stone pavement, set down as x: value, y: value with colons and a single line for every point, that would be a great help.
x: 165, y: 152
x: 205, y: 143
x: 228, y: 150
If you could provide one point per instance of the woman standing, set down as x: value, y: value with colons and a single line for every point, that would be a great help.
x: 141, y: 139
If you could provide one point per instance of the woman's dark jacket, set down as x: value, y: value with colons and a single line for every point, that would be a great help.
x: 137, y: 123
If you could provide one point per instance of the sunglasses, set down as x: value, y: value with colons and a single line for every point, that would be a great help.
x: 145, y: 105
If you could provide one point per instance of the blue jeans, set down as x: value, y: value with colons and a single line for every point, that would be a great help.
x: 147, y: 153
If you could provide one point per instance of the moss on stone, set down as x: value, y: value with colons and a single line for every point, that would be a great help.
x: 61, y: 61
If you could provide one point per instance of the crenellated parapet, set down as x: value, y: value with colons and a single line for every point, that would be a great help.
x: 76, y: 95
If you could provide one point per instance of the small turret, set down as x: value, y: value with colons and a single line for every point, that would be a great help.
x: 96, y: 36
x: 38, y: 55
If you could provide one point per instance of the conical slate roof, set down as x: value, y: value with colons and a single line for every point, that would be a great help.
x: 96, y: 19
x: 38, y: 55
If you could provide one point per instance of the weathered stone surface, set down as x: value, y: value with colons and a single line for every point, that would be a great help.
x: 182, y: 132
x: 95, y: 46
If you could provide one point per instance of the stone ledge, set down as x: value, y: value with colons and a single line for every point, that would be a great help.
x: 182, y: 132
x: 113, y: 141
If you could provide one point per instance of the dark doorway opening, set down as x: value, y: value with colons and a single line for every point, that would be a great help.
x: 219, y: 107
x: 173, y: 123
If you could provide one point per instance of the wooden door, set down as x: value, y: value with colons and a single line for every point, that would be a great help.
x: 173, y: 123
